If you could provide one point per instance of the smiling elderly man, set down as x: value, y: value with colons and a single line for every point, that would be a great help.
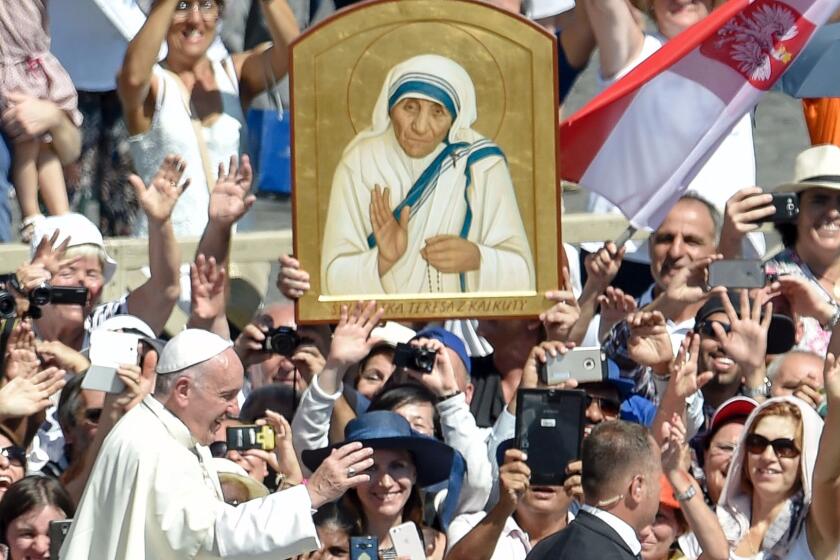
x: 154, y: 492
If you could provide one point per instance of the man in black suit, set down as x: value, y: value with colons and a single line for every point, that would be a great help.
x: 620, y: 478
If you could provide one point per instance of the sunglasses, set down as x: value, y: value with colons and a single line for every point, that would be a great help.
x: 608, y: 407
x: 782, y: 447
x: 14, y: 454
x: 705, y: 327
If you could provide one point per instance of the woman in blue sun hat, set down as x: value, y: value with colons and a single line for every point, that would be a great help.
x: 404, y: 462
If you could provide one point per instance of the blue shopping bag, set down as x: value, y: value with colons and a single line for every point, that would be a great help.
x: 269, y: 140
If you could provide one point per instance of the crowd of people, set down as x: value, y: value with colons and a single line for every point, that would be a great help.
x: 711, y: 433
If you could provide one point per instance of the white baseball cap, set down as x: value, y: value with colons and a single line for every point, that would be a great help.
x: 81, y: 232
x: 188, y: 348
x: 127, y: 322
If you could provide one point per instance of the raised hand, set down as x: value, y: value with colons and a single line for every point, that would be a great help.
x: 159, y: 199
x: 602, y: 266
x: 292, y: 281
x: 207, y: 294
x: 676, y: 456
x: 746, y: 341
x: 649, y: 343
x: 351, y: 340
x: 28, y: 394
x: 806, y: 299
x: 49, y: 256
x: 689, y: 283
x: 230, y: 198
x: 137, y: 384
x: 616, y: 306
x: 451, y: 254
x: 283, y: 459
x: 21, y: 358
x: 684, y: 380
x: 308, y: 360
x: 333, y: 478
x: 391, y: 235
x: 514, y: 480
x: 441, y: 380
x: 561, y: 317
x: 742, y: 210
x: 831, y: 373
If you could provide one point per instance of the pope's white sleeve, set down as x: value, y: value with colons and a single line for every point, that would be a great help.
x: 311, y: 422
x: 507, y: 263
x: 277, y: 526
x: 348, y: 265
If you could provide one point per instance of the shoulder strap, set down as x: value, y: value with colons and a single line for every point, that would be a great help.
x: 198, y: 129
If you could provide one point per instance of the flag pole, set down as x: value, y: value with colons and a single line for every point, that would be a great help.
x: 625, y: 236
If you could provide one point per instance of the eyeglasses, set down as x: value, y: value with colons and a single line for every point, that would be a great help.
x: 705, y: 327
x: 609, y: 407
x: 208, y: 9
x: 783, y: 447
x: 14, y: 454
x: 93, y: 414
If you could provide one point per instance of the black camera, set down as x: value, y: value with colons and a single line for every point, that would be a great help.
x: 281, y: 340
x: 414, y: 357
x: 60, y: 295
x: 8, y: 305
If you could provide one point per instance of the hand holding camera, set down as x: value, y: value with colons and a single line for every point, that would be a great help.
x: 750, y: 207
x: 429, y: 363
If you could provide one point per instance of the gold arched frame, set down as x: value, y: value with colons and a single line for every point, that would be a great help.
x: 337, y: 70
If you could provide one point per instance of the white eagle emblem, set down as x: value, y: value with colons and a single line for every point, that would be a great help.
x: 753, y: 39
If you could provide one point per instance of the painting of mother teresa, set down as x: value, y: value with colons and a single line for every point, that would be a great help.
x: 420, y: 202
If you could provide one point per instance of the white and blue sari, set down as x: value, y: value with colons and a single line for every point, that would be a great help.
x: 462, y: 188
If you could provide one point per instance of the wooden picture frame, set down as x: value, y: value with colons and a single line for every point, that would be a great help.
x: 468, y: 252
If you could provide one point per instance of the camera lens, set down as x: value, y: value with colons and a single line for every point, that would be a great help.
x: 40, y: 295
x: 7, y: 305
x: 589, y: 363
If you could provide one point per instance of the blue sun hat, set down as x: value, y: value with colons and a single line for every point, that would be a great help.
x: 383, y: 429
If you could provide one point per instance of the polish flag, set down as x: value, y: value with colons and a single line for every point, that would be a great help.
x: 642, y: 140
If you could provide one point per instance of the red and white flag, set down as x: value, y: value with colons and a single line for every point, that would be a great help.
x: 699, y: 84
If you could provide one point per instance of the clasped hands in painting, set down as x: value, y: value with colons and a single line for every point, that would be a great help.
x: 446, y: 253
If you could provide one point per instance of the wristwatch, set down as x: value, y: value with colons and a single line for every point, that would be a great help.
x: 689, y: 493
x: 762, y: 390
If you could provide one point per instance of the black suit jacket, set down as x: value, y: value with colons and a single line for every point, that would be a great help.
x: 586, y: 538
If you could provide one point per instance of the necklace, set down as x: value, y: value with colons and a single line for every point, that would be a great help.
x: 429, y: 278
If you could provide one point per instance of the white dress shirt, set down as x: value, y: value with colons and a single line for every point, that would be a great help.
x: 625, y: 531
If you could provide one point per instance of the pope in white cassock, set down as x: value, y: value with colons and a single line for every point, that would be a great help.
x: 420, y: 202
x: 154, y: 494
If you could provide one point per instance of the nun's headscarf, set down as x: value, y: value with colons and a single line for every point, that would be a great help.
x: 433, y: 78
x: 734, y: 505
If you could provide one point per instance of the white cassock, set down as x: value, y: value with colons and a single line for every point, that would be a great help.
x: 153, y: 494
x: 467, y: 193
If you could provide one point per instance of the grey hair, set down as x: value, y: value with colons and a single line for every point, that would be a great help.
x: 776, y: 365
x: 714, y: 213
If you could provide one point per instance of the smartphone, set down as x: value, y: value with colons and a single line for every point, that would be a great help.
x: 241, y: 438
x: 587, y: 364
x: 787, y: 208
x: 549, y: 428
x: 58, y: 531
x: 407, y: 542
x: 108, y: 350
x: 748, y: 273
x: 364, y: 548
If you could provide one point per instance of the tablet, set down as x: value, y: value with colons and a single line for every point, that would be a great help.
x: 549, y: 428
